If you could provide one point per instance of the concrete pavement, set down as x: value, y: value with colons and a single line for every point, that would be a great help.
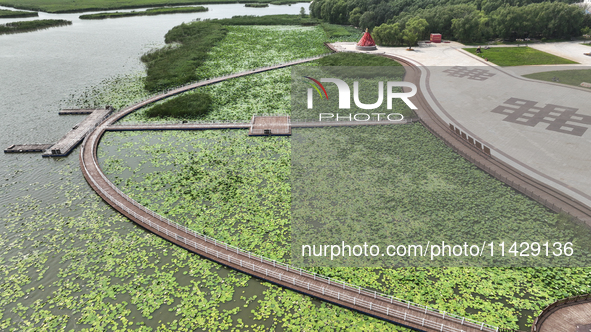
x: 542, y: 129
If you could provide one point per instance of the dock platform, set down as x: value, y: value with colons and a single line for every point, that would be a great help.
x: 274, y: 125
x: 79, y: 111
x: 24, y: 148
x: 67, y: 143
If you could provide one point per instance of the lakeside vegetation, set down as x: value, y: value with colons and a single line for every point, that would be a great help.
x: 257, y: 5
x: 571, y: 77
x: 148, y: 12
x: 67, y: 6
x: 173, y: 66
x: 467, y: 21
x: 153, y: 167
x: 130, y: 279
x: 282, y: 19
x: 243, y: 48
x: 27, y: 26
x: 519, y: 56
x: 5, y: 13
x: 501, y: 296
x: 188, y: 106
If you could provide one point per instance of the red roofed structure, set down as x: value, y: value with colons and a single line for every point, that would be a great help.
x: 366, y: 43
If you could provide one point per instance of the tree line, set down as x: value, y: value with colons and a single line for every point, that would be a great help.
x: 395, y: 22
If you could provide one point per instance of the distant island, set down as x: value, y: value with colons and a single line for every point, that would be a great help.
x: 149, y: 12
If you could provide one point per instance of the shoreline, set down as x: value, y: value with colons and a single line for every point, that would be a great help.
x: 157, y: 5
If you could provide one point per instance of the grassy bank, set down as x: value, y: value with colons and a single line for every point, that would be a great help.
x: 519, y: 56
x: 173, y: 66
x: 26, y: 26
x: 188, y: 106
x: 570, y: 77
x: 268, y: 20
x: 66, y: 6
x: 169, y: 67
x: 4, y: 13
x: 257, y: 5
x: 217, y: 47
x: 149, y: 12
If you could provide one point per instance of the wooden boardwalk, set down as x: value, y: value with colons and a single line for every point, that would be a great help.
x: 211, y: 126
x: 178, y: 126
x: 67, y: 143
x: 382, y: 306
x: 568, y: 315
x: 276, y: 125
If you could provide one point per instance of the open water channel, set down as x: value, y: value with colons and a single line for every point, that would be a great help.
x: 38, y: 72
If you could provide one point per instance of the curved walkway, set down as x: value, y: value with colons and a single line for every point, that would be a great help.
x: 568, y: 315
x: 369, y: 302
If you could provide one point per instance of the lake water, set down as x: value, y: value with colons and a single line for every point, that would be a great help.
x: 38, y: 72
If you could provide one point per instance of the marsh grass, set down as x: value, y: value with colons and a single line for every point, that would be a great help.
x: 68, y: 6
x: 168, y: 67
x: 187, y: 106
x: 149, y: 12
x: 4, y: 13
x: 26, y: 26
x: 257, y: 5
x: 282, y: 19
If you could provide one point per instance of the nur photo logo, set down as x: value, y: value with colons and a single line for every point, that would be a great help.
x: 344, y: 93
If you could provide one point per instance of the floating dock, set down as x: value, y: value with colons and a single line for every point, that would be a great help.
x: 79, y: 111
x: 67, y: 143
x: 24, y: 148
x: 278, y: 125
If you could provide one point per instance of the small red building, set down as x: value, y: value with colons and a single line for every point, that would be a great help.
x: 435, y: 38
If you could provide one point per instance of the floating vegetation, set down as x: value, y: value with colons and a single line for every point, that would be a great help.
x: 249, y: 47
x: 148, y: 12
x: 5, y: 13
x: 233, y: 187
x: 27, y: 26
x: 119, y: 91
x: 238, y: 99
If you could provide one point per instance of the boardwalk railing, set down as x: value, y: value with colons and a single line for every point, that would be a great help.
x: 179, y: 122
x: 281, y: 277
x: 379, y: 306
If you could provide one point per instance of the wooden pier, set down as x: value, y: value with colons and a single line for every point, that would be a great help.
x: 67, y: 143
x: 24, y: 148
x: 81, y: 111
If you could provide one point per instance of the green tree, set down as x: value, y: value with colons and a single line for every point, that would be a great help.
x: 415, y: 28
x: 355, y: 16
x: 367, y: 21
x: 302, y: 12
x: 471, y: 28
x: 388, y: 35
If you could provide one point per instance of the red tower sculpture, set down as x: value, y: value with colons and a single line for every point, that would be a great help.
x: 366, y: 43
